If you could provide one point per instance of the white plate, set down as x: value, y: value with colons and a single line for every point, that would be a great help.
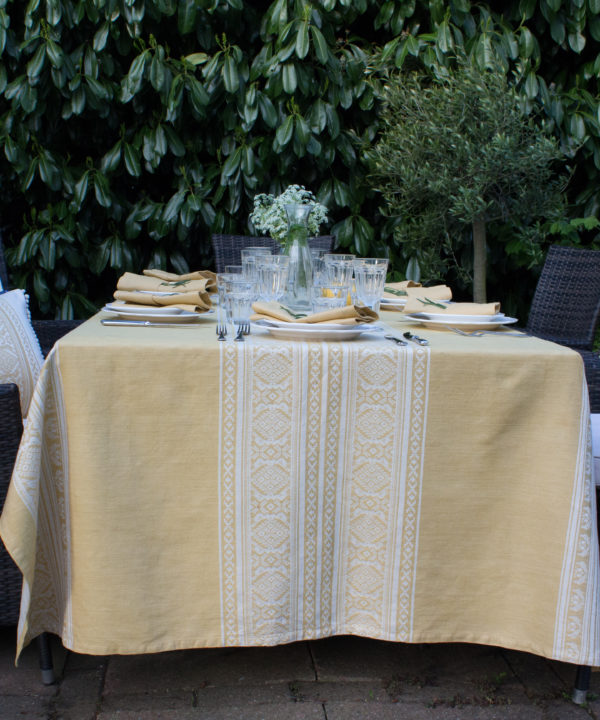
x: 498, y: 317
x: 143, y: 309
x: 313, y: 331
x: 183, y: 316
x: 463, y: 321
x: 394, y: 301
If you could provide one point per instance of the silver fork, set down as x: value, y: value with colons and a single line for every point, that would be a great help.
x: 221, y: 330
x: 243, y: 329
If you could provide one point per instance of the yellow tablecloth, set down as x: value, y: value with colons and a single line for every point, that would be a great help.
x: 172, y: 491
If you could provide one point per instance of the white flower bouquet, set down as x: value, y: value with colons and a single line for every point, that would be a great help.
x: 269, y: 214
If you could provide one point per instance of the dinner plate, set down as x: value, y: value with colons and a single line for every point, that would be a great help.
x: 447, y: 317
x: 313, y: 331
x: 143, y: 309
x: 183, y: 316
x: 464, y: 322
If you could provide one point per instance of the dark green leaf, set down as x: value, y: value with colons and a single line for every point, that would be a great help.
x: 101, y: 189
x: 289, y: 78
x: 186, y: 16
x: 320, y: 45
x: 302, y: 43
x: 285, y: 131
x: 231, y: 78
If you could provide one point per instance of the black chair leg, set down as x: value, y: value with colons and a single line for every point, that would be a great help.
x: 46, y: 665
x: 582, y: 684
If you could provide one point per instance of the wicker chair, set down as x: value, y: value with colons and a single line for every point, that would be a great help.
x: 566, y: 307
x: 227, y: 248
x: 11, y: 429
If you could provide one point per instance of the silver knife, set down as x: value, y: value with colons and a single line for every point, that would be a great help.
x: 147, y: 323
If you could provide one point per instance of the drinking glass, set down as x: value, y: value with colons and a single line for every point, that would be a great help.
x: 272, y: 275
x: 339, y: 268
x: 234, y: 269
x: 239, y: 296
x: 329, y: 296
x: 318, y: 265
x: 369, y: 280
x: 249, y: 256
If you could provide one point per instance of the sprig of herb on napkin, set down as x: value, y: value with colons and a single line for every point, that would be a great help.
x: 393, y: 291
x: 296, y: 316
x: 428, y: 301
x: 175, y: 283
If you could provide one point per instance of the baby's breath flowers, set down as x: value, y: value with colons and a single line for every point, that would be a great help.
x: 269, y: 214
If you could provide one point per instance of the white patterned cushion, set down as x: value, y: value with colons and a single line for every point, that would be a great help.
x: 20, y: 355
x: 596, y: 445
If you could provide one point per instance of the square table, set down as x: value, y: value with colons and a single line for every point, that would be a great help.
x: 172, y: 491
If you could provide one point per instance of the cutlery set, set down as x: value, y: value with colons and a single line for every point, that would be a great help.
x: 243, y: 329
x: 409, y: 336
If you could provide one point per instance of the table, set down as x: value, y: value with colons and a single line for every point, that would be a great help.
x: 172, y: 491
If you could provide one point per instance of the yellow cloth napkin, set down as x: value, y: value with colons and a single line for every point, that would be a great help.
x: 132, y: 281
x: 421, y: 304
x: 400, y: 287
x: 208, y: 275
x: 192, y: 301
x: 189, y: 292
x: 347, y: 315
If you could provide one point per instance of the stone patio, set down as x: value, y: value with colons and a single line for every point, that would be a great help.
x: 341, y: 678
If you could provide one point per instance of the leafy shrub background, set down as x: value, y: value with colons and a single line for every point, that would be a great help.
x: 133, y: 129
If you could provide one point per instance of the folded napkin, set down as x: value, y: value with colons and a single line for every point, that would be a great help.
x: 427, y: 304
x: 132, y: 281
x: 398, y: 289
x: 178, y: 280
x: 347, y: 315
x: 189, y: 292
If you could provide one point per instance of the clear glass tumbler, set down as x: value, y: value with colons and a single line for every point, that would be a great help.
x: 249, y: 256
x: 369, y: 280
x: 272, y: 276
x: 329, y: 297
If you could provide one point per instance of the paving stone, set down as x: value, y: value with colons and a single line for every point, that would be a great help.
x: 412, y: 711
x: 79, y: 695
x: 350, y: 659
x: 358, y: 691
x: 542, y: 679
x: 26, y: 678
x: 188, y: 670
x: 28, y: 707
x: 279, y: 711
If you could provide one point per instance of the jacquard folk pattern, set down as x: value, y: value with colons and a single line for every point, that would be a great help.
x: 315, y: 488
x: 578, y: 610
x: 41, y: 478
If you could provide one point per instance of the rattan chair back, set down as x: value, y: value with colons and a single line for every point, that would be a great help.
x: 227, y: 248
x: 3, y: 268
x: 566, y: 303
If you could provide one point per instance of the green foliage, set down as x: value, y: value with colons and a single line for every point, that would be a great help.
x: 456, y: 147
x: 133, y: 129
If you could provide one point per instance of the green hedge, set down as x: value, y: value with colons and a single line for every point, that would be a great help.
x: 132, y: 130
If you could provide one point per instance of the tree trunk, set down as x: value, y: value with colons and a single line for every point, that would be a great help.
x: 479, y: 260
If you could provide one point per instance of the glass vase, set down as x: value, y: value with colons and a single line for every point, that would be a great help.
x: 300, y: 272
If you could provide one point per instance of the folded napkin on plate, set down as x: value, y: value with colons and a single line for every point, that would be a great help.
x: 188, y: 279
x: 427, y: 304
x: 189, y: 292
x: 347, y: 315
x: 398, y: 289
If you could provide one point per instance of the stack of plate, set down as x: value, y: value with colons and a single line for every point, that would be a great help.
x: 313, y: 331
x: 166, y: 314
x: 463, y: 322
x: 396, y: 303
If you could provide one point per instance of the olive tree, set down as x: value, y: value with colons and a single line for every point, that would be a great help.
x: 457, y: 152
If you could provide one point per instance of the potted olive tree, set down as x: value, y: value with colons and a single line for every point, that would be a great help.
x: 457, y: 153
